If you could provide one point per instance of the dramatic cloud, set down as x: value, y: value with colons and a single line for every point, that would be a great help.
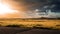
x: 33, y: 4
x: 27, y: 8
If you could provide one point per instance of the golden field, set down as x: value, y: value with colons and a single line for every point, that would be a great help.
x: 55, y: 23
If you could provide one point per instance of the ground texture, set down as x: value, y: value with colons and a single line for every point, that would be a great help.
x: 16, y: 30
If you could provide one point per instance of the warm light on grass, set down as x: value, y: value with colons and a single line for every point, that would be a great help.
x: 31, y: 23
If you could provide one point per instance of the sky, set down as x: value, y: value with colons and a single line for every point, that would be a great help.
x: 32, y: 8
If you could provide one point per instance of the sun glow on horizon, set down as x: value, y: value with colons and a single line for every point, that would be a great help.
x: 4, y: 9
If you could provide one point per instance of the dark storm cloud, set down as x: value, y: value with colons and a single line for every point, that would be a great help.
x: 30, y: 6
x: 33, y: 4
x: 39, y: 4
x: 57, y: 7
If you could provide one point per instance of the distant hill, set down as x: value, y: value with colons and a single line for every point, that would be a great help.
x: 29, y: 18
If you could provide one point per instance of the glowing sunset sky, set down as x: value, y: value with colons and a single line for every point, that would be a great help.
x: 27, y: 8
x: 10, y: 9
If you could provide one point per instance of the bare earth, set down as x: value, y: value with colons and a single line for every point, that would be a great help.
x: 29, y: 23
x: 15, y: 30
